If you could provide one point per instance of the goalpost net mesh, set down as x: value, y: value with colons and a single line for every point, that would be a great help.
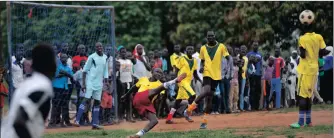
x: 61, y: 25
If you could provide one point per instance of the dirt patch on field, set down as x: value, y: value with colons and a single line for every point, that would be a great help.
x: 244, y: 120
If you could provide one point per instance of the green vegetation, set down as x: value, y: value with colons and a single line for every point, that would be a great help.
x: 226, y: 133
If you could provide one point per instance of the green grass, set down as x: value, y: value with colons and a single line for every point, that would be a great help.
x: 226, y: 133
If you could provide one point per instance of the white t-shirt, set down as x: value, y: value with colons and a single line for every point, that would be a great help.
x: 125, y: 71
x: 196, y: 56
x: 140, y: 69
x: 37, y: 84
x: 17, y: 74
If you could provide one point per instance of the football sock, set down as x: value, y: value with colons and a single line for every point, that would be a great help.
x: 192, y: 107
x: 141, y: 132
x: 205, y: 121
x: 96, y: 112
x: 171, y: 113
x: 308, y: 117
x: 301, y: 118
x: 80, y: 112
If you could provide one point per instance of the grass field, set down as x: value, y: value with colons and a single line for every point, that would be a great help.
x: 320, y: 130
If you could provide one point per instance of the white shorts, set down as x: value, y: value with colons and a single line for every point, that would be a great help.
x: 95, y: 94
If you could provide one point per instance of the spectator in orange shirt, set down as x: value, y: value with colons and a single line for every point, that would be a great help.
x: 78, y: 58
x: 157, y: 60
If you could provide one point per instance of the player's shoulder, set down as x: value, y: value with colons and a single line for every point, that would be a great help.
x: 37, y: 82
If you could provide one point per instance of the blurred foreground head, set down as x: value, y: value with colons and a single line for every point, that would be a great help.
x: 44, y: 60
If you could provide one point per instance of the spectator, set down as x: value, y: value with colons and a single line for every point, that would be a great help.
x: 17, y: 69
x: 157, y: 60
x: 255, y: 79
x: 328, y: 77
x: 234, y: 90
x: 3, y: 92
x: 164, y: 58
x: 276, y: 78
x: 142, y: 67
x: 60, y: 87
x: 106, y: 106
x: 150, y: 55
x: 291, y: 83
x: 224, y: 86
x: 244, y: 63
x: 96, y: 70
x: 125, y: 82
x: 268, y: 73
x: 78, y: 58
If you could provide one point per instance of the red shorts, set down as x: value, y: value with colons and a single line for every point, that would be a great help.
x: 106, y: 100
x: 142, y: 103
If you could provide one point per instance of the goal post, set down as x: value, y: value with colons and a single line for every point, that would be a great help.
x: 29, y: 23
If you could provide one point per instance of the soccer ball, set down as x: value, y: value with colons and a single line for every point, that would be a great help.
x: 306, y: 17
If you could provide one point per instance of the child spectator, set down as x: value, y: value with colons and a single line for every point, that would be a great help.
x: 106, y: 105
x: 158, y: 61
x: 268, y: 72
x: 234, y: 90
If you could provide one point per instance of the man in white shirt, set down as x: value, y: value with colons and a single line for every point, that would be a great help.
x: 32, y: 98
x: 197, y: 84
x: 141, y: 68
x: 17, y: 69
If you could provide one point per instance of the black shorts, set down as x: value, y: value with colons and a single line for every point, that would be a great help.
x: 211, y: 82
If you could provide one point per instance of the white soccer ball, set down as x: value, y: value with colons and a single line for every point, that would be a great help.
x: 306, y: 17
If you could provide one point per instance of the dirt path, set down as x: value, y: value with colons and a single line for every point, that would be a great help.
x: 244, y: 120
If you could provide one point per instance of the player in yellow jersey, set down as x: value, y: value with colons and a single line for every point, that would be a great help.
x: 147, y: 89
x: 174, y: 59
x: 310, y: 46
x: 211, y: 55
x: 187, y: 64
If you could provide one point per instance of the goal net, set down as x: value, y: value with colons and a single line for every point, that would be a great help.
x: 70, y: 29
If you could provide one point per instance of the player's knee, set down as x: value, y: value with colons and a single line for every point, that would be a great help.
x: 154, y: 121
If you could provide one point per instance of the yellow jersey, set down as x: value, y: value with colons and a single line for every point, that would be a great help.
x: 145, y: 84
x: 174, y: 59
x: 187, y: 66
x: 244, y: 67
x: 212, y: 56
x: 312, y: 42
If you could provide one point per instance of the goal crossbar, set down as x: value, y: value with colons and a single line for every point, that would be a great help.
x: 63, y: 6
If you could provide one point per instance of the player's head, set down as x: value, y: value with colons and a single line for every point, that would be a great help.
x: 157, y: 73
x: 277, y: 52
x: 177, y: 48
x: 230, y: 50
x: 63, y: 58
x: 82, y: 49
x: 165, y: 52
x: 190, y: 51
x: 44, y: 61
x: 122, y: 52
x: 255, y: 46
x: 211, y: 37
x: 236, y: 51
x: 150, y: 54
x: 82, y: 63
x: 64, y: 47
x: 140, y: 49
x: 243, y: 50
x: 98, y: 47
x: 108, y: 50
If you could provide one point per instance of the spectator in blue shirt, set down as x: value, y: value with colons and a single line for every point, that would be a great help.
x: 96, y: 70
x: 60, y: 88
x: 255, y: 78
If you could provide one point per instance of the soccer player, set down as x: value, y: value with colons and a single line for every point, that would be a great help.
x: 187, y: 64
x: 31, y: 100
x: 211, y: 55
x: 148, y: 89
x: 174, y: 59
x: 310, y: 44
x: 96, y: 69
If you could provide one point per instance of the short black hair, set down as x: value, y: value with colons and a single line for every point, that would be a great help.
x: 43, y: 58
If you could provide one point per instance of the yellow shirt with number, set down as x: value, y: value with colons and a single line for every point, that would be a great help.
x: 244, y: 68
x: 187, y: 66
x: 145, y: 84
x: 212, y: 56
x: 312, y: 42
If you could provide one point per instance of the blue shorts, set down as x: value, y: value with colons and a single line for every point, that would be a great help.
x: 95, y: 94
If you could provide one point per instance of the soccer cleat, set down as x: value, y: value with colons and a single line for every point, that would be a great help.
x: 169, y: 122
x: 187, y: 117
x: 203, y: 126
x: 97, y: 127
x: 295, y: 125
